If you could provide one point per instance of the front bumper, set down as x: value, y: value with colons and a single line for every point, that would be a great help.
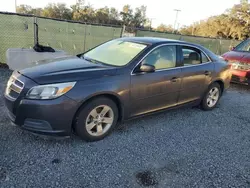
x: 48, y: 117
x: 241, y: 77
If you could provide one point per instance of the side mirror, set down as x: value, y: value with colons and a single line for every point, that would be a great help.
x: 147, y: 68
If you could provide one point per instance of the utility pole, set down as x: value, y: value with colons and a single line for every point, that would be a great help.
x: 16, y: 6
x: 193, y: 30
x: 178, y: 25
x: 151, y: 23
x: 176, y: 17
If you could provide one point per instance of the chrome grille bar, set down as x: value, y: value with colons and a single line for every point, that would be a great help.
x: 14, y: 85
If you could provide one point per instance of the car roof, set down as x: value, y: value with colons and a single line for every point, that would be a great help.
x: 148, y: 40
x: 156, y: 41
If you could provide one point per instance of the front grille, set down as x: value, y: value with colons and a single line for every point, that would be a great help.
x: 14, y: 88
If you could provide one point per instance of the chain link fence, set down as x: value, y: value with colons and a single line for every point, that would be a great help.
x: 218, y: 46
x: 18, y: 31
x: 74, y: 37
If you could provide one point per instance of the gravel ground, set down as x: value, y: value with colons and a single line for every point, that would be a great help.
x: 180, y: 148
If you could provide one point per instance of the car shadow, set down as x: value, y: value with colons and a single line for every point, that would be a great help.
x: 239, y: 87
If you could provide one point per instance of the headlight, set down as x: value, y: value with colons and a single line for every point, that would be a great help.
x: 50, y: 91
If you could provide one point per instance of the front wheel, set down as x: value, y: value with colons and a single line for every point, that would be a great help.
x: 211, y: 97
x: 96, y: 119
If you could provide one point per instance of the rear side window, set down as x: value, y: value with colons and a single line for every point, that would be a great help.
x: 193, y: 56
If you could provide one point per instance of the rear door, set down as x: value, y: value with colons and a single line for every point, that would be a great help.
x: 195, y: 73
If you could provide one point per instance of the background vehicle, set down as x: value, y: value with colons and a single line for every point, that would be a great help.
x: 239, y: 58
x: 115, y: 81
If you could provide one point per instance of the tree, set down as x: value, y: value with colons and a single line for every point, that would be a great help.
x: 113, y: 13
x: 139, y: 18
x: 58, y: 10
x: 133, y: 20
x: 233, y: 24
x: 86, y: 13
x: 26, y: 9
x: 165, y: 28
x: 127, y: 15
x: 102, y: 15
x: 243, y: 1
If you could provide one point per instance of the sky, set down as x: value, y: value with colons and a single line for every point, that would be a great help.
x: 160, y: 11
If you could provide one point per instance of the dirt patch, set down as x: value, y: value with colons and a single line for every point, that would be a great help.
x: 146, y: 178
x: 3, y: 174
x: 56, y: 161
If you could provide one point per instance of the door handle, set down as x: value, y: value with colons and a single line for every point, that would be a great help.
x: 207, y: 73
x: 174, y: 79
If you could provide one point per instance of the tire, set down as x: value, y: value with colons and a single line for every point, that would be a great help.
x: 98, y: 114
x: 205, y: 105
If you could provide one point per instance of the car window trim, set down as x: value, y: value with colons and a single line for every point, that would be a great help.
x: 171, y: 44
x: 192, y: 49
x: 207, y: 58
x: 119, y: 39
x: 176, y: 55
x: 201, y: 52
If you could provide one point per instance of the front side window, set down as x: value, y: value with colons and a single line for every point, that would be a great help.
x: 162, y: 58
x: 244, y: 46
x: 115, y: 52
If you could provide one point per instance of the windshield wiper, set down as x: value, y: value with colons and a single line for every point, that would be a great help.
x: 91, y: 60
x: 94, y: 61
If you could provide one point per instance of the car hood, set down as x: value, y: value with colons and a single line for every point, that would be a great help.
x: 65, y: 70
x: 237, y: 56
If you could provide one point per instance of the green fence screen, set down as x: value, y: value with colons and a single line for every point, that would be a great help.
x: 74, y: 38
x: 218, y: 46
x: 17, y: 31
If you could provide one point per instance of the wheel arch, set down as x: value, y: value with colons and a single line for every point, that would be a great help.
x: 221, y: 83
x: 113, y: 96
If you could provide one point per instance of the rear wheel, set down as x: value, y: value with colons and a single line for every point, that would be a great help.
x: 211, y: 97
x: 96, y: 119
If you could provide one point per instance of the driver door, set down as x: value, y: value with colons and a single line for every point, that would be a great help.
x: 156, y: 90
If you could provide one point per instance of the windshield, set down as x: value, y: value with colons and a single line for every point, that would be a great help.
x: 115, y: 52
x: 244, y: 46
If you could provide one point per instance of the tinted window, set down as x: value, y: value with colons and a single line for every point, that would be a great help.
x: 115, y: 52
x: 191, y: 56
x: 244, y: 46
x: 162, y: 58
x: 204, y: 58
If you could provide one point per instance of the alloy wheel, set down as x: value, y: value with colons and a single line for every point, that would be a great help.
x: 213, y: 97
x: 99, y: 120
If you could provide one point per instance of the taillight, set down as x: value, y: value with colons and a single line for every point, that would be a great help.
x: 229, y: 65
